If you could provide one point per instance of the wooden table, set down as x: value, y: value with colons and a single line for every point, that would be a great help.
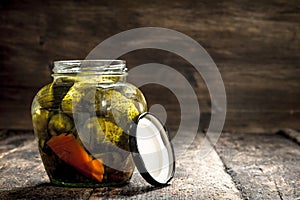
x: 239, y: 166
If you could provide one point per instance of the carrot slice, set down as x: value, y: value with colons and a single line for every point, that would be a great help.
x: 69, y: 150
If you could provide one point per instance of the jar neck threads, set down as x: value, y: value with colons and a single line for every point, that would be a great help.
x: 101, y: 71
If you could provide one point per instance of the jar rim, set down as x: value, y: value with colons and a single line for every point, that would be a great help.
x: 104, y: 66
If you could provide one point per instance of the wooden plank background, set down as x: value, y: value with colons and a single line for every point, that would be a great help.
x: 255, y: 44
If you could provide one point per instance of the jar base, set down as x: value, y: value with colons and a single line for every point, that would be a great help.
x: 88, y: 185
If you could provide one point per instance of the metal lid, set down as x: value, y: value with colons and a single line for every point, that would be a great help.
x: 152, y: 150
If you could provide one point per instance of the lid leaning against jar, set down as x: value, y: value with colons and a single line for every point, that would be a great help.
x: 152, y: 150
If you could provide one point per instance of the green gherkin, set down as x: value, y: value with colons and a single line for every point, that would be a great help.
x: 46, y: 99
x: 72, y: 97
x: 112, y: 132
x: 50, y: 96
x: 135, y: 96
x: 60, y: 123
x: 123, y: 110
x: 82, y: 97
x: 40, y: 120
x: 102, y: 131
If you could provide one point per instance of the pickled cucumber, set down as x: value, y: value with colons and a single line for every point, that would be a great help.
x: 103, y: 131
x: 40, y: 120
x: 122, y: 110
x: 135, y: 95
x: 46, y: 99
x: 104, y: 102
x: 73, y: 96
x: 82, y: 98
x: 50, y: 96
x: 60, y: 123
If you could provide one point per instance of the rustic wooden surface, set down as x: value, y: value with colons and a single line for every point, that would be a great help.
x: 243, y: 166
x: 263, y: 166
x: 196, y: 177
x: 255, y: 45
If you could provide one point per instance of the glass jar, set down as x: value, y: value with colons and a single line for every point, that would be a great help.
x: 81, y: 123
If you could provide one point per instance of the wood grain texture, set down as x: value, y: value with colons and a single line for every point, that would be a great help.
x: 23, y: 176
x: 241, y: 166
x: 263, y: 166
x: 255, y: 45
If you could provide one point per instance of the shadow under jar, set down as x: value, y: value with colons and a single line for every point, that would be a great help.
x: 82, y: 120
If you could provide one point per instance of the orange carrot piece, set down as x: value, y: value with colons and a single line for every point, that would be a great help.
x: 69, y: 150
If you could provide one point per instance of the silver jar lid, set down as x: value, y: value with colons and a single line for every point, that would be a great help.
x: 152, y: 150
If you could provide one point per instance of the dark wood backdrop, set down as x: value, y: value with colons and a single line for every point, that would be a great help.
x: 255, y: 44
